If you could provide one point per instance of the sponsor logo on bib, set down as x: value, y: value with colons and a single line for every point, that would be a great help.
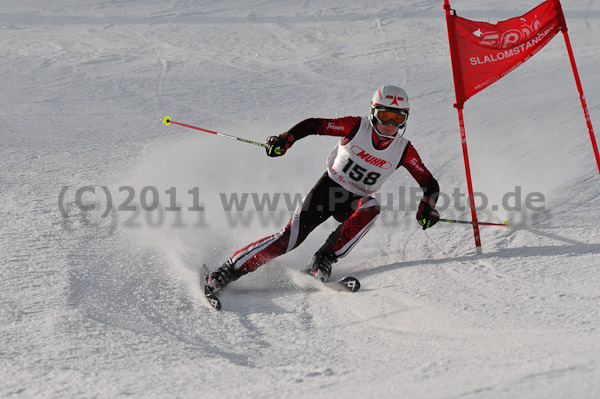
x: 370, y: 159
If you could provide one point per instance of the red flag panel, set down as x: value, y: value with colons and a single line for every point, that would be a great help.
x: 483, y: 53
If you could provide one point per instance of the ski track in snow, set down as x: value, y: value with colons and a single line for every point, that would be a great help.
x: 99, y: 304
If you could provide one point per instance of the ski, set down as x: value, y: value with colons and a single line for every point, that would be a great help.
x: 346, y: 284
x: 211, y: 300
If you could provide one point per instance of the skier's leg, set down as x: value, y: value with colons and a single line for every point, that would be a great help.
x: 356, y: 226
x: 253, y: 255
x: 339, y: 243
x: 313, y: 211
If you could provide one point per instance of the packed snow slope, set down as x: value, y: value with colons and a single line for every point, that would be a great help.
x: 106, y: 212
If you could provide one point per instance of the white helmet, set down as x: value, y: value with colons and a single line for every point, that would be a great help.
x: 392, y: 99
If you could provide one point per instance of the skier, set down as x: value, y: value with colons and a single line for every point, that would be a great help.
x: 369, y: 151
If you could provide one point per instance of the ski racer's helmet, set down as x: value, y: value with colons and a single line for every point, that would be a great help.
x: 389, y: 104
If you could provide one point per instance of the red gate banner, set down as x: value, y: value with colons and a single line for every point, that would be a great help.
x: 483, y: 53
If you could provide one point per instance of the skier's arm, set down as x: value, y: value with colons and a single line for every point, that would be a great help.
x: 339, y: 127
x: 427, y: 216
x: 412, y: 162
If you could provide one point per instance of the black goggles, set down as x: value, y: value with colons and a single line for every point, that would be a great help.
x: 387, y: 116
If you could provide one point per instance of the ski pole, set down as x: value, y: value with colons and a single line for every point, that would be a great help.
x: 506, y: 224
x: 167, y: 121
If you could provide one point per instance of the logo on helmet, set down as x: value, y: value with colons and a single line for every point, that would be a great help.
x: 394, y: 99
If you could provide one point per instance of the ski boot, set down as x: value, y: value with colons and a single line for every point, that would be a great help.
x: 222, y: 276
x: 320, y: 265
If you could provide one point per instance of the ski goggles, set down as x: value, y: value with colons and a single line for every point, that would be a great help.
x: 396, y: 117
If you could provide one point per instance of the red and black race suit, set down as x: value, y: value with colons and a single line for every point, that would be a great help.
x: 327, y: 198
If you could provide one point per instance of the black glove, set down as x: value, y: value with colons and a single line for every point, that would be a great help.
x: 278, y: 145
x: 426, y: 215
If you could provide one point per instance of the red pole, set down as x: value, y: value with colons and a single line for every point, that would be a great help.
x: 586, y: 112
x: 463, y: 139
x: 167, y: 121
x: 194, y: 127
x: 460, y: 100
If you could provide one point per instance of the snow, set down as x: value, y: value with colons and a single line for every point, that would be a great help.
x: 107, y: 305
